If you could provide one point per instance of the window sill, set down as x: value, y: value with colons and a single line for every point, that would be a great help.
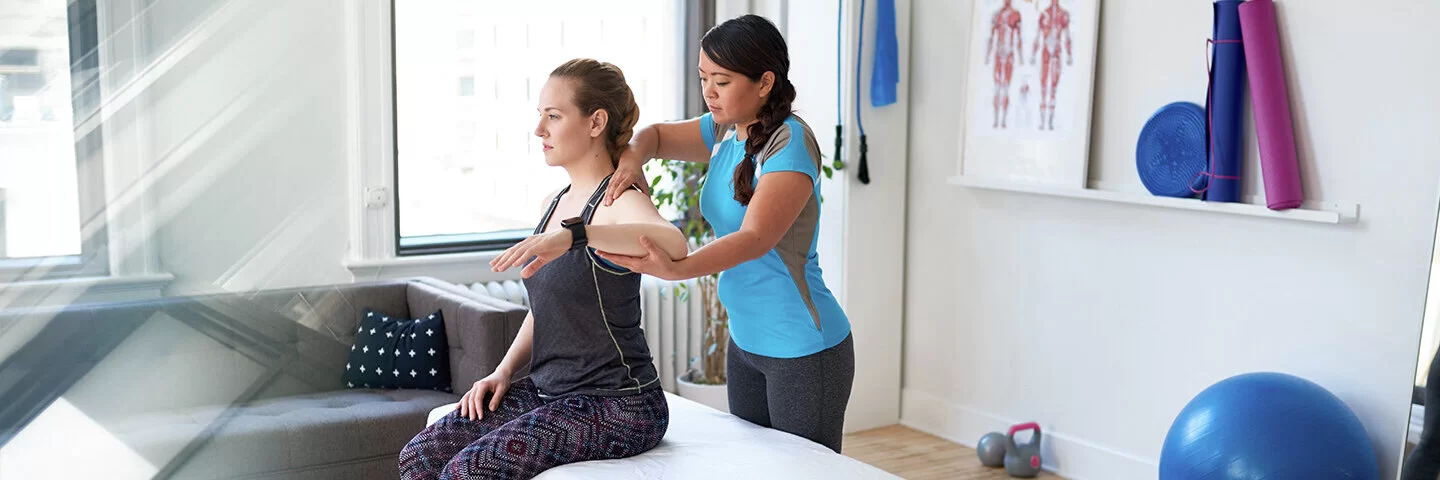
x: 461, y: 243
x: 83, y: 290
x: 463, y: 268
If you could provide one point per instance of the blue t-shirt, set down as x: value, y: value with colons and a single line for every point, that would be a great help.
x: 778, y: 303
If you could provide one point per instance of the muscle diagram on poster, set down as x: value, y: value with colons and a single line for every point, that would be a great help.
x: 1031, y: 75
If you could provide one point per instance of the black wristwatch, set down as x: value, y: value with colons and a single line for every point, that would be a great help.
x: 576, y: 225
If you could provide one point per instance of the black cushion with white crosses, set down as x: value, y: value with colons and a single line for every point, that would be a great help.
x: 399, y: 353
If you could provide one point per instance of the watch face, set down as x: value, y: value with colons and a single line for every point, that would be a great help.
x: 570, y: 221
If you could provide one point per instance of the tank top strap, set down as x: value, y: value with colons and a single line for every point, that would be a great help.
x: 594, y: 200
x: 545, y: 220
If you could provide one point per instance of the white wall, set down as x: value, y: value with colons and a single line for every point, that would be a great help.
x: 873, y: 226
x: 1100, y: 321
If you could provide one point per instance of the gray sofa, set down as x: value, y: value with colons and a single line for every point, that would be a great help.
x: 247, y: 385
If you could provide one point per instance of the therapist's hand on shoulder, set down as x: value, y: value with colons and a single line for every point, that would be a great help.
x: 543, y: 248
x: 655, y: 263
x: 628, y: 172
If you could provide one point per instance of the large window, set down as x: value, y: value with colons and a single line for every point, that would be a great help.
x: 51, y: 219
x: 470, y: 175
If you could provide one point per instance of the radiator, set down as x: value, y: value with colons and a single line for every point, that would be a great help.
x: 673, y: 325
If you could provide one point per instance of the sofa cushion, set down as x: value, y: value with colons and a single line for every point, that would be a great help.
x: 479, y: 328
x: 300, y: 432
x: 399, y: 352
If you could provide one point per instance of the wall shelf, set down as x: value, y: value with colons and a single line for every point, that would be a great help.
x: 1331, y: 213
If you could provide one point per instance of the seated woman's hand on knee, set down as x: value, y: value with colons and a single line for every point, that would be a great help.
x: 486, y: 392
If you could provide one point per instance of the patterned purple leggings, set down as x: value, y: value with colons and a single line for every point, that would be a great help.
x: 526, y: 436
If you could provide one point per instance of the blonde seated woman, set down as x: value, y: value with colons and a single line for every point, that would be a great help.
x: 593, y: 391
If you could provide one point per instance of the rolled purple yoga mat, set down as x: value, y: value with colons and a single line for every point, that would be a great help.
x: 1274, y: 132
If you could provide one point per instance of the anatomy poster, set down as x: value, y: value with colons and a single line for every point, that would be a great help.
x: 1031, y: 73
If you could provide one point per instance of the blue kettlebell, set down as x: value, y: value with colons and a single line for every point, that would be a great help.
x: 1023, y: 460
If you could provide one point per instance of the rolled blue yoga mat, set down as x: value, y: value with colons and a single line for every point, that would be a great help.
x: 1226, y: 98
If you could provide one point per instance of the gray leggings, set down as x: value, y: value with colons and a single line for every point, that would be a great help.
x: 805, y: 396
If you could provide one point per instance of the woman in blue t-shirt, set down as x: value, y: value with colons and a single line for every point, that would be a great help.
x: 791, y: 362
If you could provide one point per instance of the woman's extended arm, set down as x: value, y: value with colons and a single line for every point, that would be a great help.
x: 778, y: 201
x: 631, y: 218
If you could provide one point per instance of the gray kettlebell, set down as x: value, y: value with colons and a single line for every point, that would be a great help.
x: 991, y: 449
x: 1023, y: 460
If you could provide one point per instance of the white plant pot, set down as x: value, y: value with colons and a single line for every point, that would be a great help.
x: 713, y: 396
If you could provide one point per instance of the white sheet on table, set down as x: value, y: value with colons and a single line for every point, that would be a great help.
x: 704, y: 443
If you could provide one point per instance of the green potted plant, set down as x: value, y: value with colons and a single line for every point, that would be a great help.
x: 677, y: 185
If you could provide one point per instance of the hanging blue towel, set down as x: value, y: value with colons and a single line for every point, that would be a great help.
x: 886, y: 74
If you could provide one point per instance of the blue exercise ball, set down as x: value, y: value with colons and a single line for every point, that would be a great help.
x: 1262, y: 426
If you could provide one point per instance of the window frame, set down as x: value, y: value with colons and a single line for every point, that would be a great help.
x: 83, y: 32
x: 374, y: 242
x: 696, y: 17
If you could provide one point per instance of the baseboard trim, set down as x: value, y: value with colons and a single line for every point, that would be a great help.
x: 1064, y: 455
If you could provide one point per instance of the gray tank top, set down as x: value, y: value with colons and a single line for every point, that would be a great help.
x: 587, y: 338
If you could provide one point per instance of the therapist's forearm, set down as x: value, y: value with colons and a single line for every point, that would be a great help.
x: 624, y: 239
x: 642, y: 147
x: 722, y: 254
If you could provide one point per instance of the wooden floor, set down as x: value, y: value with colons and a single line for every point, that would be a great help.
x: 917, y: 455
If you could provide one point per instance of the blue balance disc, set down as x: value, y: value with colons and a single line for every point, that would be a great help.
x: 1171, y: 150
